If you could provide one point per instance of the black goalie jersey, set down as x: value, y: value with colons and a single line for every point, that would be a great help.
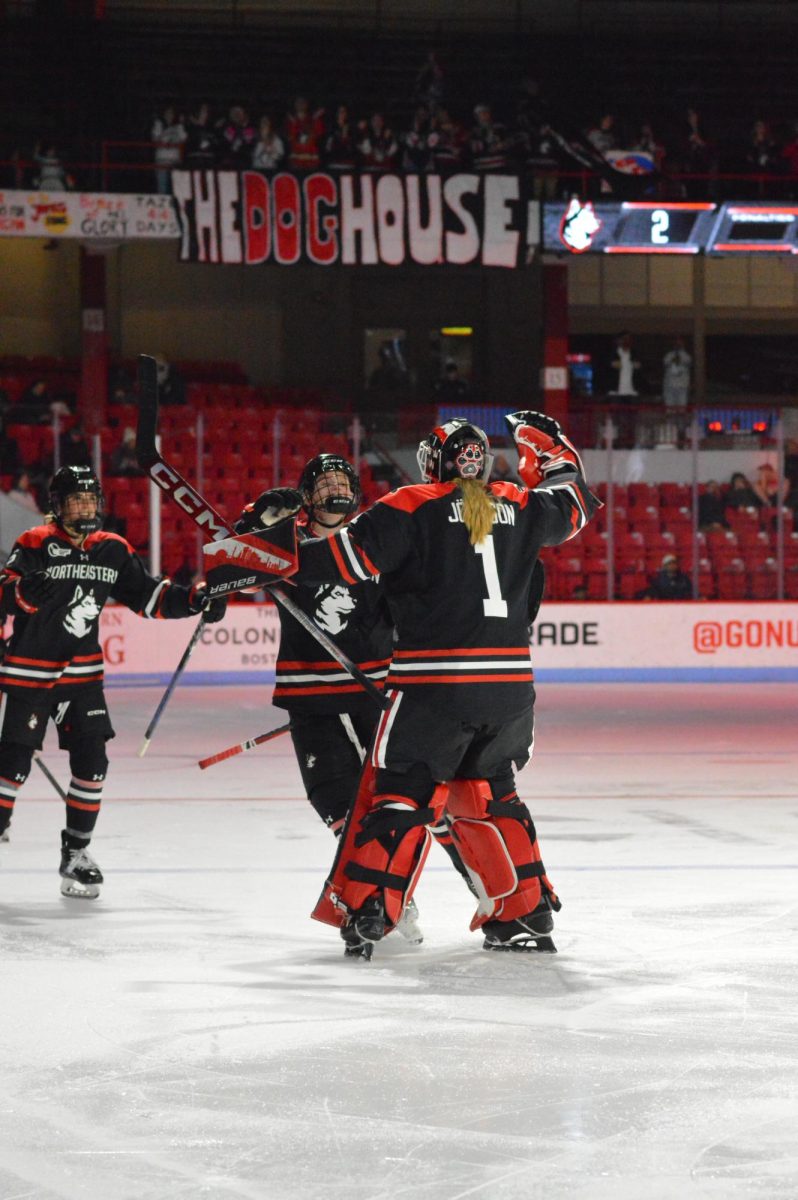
x: 59, y: 644
x: 461, y: 611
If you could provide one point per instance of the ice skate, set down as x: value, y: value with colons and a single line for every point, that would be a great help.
x: 365, y: 927
x: 524, y: 933
x: 408, y: 925
x: 5, y: 836
x: 80, y: 875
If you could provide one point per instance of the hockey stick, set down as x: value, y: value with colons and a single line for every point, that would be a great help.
x: 42, y: 765
x: 209, y: 520
x: 242, y: 747
x: 189, y: 650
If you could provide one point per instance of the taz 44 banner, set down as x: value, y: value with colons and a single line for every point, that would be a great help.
x: 355, y: 220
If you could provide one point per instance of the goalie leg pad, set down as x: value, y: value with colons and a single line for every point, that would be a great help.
x: 382, y: 849
x: 496, y: 838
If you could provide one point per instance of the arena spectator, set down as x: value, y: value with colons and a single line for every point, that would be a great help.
x: 451, y: 388
x: 305, y: 132
x: 169, y: 135
x: 646, y: 142
x: 762, y: 154
x: 711, y: 508
x: 447, y: 140
x: 21, y: 492
x: 429, y: 86
x: 698, y: 155
x: 376, y: 145
x: 417, y: 155
x: 35, y: 403
x: 340, y: 144
x: 123, y: 457
x: 171, y: 385
x: 676, y: 375
x: 626, y: 365
x: 73, y: 447
x: 269, y: 150
x: 489, y: 143
x: 51, y: 174
x: 766, y: 485
x: 670, y: 582
x: 540, y: 156
x: 9, y: 450
x: 236, y: 139
x: 602, y: 136
x: 741, y: 494
x: 200, y: 145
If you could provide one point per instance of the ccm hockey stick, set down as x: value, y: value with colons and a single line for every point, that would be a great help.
x: 179, y: 669
x: 260, y: 555
x: 242, y: 747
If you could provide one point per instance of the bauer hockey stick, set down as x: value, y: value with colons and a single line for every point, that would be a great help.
x: 209, y: 520
x: 242, y: 747
x: 179, y: 669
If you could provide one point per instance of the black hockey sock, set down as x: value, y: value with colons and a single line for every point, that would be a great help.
x: 71, y: 840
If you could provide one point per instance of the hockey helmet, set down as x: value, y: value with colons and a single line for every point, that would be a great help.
x: 455, y: 450
x: 328, y: 464
x: 68, y: 481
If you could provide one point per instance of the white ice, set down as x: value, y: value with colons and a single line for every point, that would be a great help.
x: 193, y: 1034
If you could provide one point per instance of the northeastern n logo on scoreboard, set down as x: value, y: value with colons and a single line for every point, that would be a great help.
x: 579, y: 226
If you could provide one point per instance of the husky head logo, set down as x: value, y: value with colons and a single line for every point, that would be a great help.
x: 58, y: 551
x: 82, y: 610
x: 579, y: 226
x: 334, y: 602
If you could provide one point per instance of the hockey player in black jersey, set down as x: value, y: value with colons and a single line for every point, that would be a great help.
x: 55, y: 584
x: 332, y: 718
x: 456, y: 556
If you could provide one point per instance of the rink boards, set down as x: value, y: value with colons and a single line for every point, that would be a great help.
x: 574, y: 643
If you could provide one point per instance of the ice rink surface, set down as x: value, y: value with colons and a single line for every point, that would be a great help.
x: 193, y: 1034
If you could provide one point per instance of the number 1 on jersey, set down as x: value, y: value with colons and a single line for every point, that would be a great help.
x: 495, y: 605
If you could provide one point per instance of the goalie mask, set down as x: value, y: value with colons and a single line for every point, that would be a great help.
x: 324, y: 491
x: 455, y: 450
x: 73, y: 481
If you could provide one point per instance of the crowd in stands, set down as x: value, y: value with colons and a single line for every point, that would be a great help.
x: 437, y: 130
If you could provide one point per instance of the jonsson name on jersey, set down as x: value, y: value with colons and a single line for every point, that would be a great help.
x: 505, y: 513
x: 83, y: 571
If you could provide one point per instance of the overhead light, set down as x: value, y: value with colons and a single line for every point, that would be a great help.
x: 457, y: 331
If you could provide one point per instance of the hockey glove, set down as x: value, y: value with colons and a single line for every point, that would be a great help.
x: 35, y: 590
x: 212, y: 609
x: 269, y: 508
x: 544, y: 452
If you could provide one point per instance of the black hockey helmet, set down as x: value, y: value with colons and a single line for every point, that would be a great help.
x: 66, y: 482
x: 325, y: 464
x: 455, y: 450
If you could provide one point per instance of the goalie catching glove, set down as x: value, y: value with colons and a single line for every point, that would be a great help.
x: 544, y: 452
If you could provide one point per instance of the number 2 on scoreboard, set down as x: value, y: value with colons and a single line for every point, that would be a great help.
x: 495, y: 605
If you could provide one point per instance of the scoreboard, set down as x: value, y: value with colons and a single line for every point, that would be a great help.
x: 670, y: 227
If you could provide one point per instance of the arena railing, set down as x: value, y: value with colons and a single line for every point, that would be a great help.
x: 128, y: 166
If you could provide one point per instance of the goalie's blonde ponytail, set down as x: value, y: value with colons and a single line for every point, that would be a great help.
x: 479, y: 510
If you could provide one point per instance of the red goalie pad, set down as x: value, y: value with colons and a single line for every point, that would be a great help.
x: 497, y: 844
x: 389, y: 862
x: 251, y: 559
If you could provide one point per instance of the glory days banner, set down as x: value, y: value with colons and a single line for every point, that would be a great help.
x: 355, y: 220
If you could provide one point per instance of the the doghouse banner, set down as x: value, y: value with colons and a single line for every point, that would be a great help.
x: 355, y: 220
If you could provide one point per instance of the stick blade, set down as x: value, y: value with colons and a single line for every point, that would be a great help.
x: 144, y: 747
